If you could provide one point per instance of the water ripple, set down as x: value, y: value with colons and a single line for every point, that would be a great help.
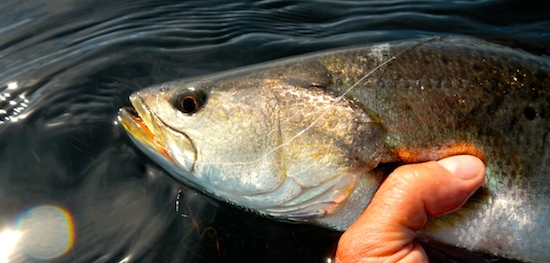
x: 66, y: 66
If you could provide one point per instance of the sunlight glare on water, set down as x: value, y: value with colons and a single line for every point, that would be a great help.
x: 8, y: 241
x: 45, y: 232
x: 74, y: 188
x: 12, y: 103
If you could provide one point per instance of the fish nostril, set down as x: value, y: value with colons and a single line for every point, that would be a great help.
x: 131, y: 111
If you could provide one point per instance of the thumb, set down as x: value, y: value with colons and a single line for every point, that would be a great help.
x: 386, y: 230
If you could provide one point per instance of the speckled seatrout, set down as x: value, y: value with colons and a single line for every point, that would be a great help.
x: 307, y: 138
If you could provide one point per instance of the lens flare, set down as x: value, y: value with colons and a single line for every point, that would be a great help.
x: 46, y: 232
x: 8, y: 241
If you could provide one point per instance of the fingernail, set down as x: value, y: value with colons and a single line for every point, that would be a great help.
x: 463, y: 166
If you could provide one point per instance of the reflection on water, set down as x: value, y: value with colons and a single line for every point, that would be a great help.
x: 12, y: 105
x: 43, y: 232
x: 67, y: 173
x: 8, y: 243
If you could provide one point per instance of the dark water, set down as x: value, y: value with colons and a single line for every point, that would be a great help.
x: 73, y: 181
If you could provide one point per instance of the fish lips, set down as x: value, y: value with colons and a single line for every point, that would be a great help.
x: 155, y: 137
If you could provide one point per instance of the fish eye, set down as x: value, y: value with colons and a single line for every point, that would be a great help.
x: 190, y: 101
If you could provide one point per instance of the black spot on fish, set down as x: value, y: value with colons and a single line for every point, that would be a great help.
x: 529, y: 113
x: 476, y: 67
x: 444, y: 60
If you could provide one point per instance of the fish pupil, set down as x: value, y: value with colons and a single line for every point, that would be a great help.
x: 190, y: 104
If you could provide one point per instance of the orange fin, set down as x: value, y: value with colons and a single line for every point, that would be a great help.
x: 415, y: 155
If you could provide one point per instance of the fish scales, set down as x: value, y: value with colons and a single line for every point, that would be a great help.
x: 493, y: 97
x: 307, y: 138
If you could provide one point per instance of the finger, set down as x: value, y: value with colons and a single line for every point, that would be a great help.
x: 386, y: 230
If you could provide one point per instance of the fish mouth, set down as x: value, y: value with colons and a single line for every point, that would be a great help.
x: 158, y: 139
x: 139, y: 131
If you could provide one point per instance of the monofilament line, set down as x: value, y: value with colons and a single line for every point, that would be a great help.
x: 339, y: 98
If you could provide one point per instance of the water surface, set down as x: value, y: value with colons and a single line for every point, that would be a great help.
x: 68, y: 172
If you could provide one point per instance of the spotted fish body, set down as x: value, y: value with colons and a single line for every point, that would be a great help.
x: 308, y: 138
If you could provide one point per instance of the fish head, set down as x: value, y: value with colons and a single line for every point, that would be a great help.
x: 270, y: 145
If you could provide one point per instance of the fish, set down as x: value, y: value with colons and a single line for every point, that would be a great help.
x: 311, y: 138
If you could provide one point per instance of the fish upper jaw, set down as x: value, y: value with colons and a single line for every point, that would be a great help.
x: 154, y: 136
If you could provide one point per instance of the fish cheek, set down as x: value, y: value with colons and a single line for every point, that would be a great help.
x: 181, y: 150
x: 237, y: 149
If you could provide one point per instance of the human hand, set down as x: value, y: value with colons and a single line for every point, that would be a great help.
x: 386, y: 230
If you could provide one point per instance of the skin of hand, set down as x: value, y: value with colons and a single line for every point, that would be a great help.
x: 386, y: 230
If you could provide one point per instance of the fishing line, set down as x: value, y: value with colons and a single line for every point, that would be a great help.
x: 339, y: 98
